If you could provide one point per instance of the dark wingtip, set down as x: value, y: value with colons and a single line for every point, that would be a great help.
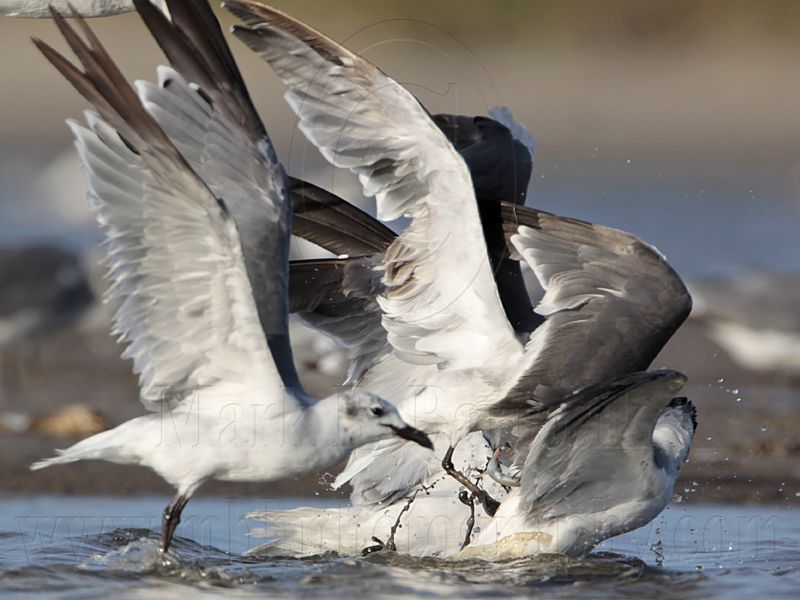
x: 684, y: 404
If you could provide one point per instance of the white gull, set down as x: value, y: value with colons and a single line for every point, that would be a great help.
x: 455, y: 363
x: 207, y: 333
x: 603, y: 464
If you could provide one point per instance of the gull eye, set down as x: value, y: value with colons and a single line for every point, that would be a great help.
x: 377, y: 411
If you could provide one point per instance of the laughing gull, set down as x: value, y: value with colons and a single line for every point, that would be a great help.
x: 455, y: 363
x: 604, y: 463
x: 320, y: 297
x: 330, y: 295
x: 203, y: 311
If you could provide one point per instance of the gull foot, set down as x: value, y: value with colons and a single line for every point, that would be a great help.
x: 468, y: 500
x: 379, y: 546
x: 490, y: 505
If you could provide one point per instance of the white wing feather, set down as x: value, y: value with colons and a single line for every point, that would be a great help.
x: 441, y: 305
x: 186, y: 309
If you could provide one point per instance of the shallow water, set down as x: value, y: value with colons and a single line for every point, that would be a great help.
x: 95, y: 547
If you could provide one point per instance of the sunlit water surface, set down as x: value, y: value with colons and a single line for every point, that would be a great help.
x: 100, y: 547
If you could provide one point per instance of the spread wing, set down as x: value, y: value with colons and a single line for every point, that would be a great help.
x: 337, y: 298
x: 186, y: 310
x: 330, y: 222
x: 205, y: 108
x: 611, y: 302
x: 440, y: 304
x: 498, y: 152
x: 604, y: 433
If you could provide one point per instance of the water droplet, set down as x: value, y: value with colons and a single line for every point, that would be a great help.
x: 763, y: 428
x: 721, y: 380
x: 628, y: 161
x: 738, y: 399
x: 735, y: 391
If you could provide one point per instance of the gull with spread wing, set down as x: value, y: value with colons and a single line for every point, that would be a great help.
x: 196, y: 214
x: 456, y: 364
x: 604, y: 463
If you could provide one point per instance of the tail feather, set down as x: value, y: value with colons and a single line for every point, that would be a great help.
x: 61, y: 458
x: 433, y: 523
x: 103, y: 445
x: 310, y: 531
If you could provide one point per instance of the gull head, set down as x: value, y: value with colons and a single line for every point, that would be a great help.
x: 368, y: 418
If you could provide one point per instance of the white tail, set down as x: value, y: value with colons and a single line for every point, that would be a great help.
x: 102, y: 445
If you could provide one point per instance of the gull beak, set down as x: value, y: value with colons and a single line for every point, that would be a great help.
x: 415, y: 435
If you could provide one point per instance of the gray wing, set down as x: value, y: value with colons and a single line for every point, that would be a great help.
x: 611, y: 302
x: 441, y: 304
x: 334, y: 224
x: 595, y: 451
x: 186, y: 308
x: 338, y: 298
x: 204, y: 107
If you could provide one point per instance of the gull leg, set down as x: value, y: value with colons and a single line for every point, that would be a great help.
x: 468, y: 500
x: 390, y: 543
x: 490, y: 505
x: 172, y: 516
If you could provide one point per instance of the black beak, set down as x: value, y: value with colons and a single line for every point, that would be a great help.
x: 415, y: 435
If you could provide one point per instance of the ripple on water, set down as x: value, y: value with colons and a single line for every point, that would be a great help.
x: 125, y: 562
